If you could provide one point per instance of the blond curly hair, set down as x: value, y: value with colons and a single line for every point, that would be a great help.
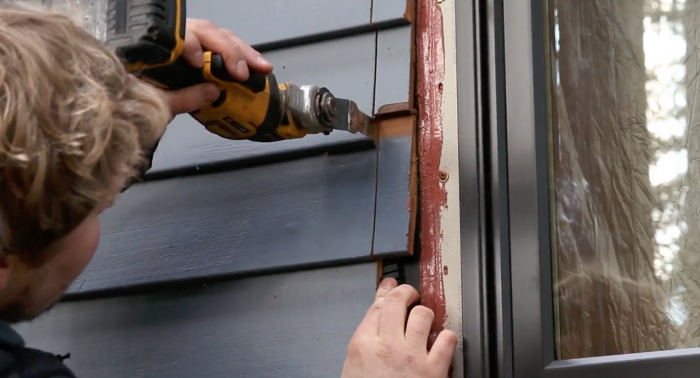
x: 75, y: 127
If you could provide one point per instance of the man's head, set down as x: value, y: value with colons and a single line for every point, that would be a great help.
x: 73, y: 130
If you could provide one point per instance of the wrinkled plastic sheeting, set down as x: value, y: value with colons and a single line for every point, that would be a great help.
x: 625, y: 149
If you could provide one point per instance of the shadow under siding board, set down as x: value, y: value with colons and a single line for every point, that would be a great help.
x: 385, y: 10
x: 292, y: 325
x: 286, y: 215
x: 396, y: 184
x: 266, y: 21
x: 345, y: 66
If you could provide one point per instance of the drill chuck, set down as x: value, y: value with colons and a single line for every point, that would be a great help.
x: 319, y: 111
x: 311, y: 106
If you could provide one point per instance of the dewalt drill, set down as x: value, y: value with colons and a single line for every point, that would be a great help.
x: 148, y: 36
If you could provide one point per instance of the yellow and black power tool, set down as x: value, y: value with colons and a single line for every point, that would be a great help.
x: 148, y: 35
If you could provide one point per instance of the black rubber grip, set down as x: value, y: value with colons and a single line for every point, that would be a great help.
x: 256, y: 82
x: 177, y: 75
x: 267, y: 130
x: 180, y: 74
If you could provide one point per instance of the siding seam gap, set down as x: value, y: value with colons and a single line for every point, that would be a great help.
x: 374, y: 104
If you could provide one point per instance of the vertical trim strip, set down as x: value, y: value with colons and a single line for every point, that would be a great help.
x: 433, y: 195
x: 437, y: 103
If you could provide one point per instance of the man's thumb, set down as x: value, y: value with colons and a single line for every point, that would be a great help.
x: 191, y: 98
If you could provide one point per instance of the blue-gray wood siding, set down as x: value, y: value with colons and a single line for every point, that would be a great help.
x: 284, y: 215
x: 248, y: 259
x: 292, y: 325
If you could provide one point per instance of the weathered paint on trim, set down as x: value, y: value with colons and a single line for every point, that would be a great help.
x: 430, y: 62
x: 440, y: 263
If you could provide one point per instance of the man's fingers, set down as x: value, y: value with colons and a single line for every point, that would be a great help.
x: 216, y: 40
x: 192, y: 51
x: 238, y: 55
x: 418, y: 327
x: 370, y: 324
x: 443, y: 349
x: 385, y: 287
x: 252, y: 57
x: 191, y: 98
x: 393, y: 317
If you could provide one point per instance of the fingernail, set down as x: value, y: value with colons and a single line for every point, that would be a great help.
x: 388, y: 283
x: 242, y: 68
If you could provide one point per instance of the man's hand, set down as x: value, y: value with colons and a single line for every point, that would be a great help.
x: 383, y: 348
x: 239, y: 57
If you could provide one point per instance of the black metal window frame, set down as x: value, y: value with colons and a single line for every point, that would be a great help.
x: 508, y: 320
x: 483, y: 210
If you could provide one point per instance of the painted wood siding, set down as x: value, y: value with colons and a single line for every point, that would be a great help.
x: 246, y: 258
x: 284, y: 326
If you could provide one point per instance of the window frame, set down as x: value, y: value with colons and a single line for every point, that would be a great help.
x: 528, y: 248
x: 474, y: 205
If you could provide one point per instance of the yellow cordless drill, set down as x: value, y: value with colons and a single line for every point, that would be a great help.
x: 148, y: 35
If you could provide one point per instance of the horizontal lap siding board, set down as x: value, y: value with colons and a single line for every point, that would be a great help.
x: 280, y: 216
x: 262, y: 22
x: 294, y: 325
x: 385, y: 10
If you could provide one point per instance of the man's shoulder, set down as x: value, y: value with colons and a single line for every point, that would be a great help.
x: 22, y: 362
x: 18, y: 361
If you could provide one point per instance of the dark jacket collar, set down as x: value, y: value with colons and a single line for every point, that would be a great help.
x: 9, y: 335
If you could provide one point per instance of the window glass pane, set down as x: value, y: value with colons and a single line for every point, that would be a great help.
x: 624, y: 103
